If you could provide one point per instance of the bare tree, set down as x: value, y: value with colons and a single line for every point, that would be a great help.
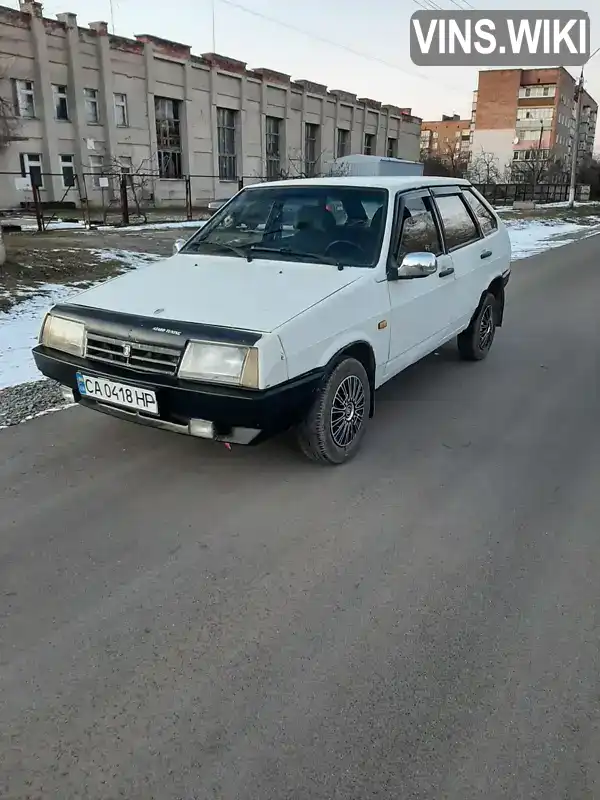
x: 9, y: 122
x: 138, y: 180
x: 484, y: 168
x: 297, y: 167
x: 539, y: 165
x: 449, y: 162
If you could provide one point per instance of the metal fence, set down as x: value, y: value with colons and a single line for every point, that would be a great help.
x: 123, y: 198
x: 119, y: 198
x: 505, y: 194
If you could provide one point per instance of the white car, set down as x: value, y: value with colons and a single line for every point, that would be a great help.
x: 294, y: 322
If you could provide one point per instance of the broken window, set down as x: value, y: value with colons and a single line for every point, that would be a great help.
x: 168, y: 137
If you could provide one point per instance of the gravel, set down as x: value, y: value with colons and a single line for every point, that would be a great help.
x: 18, y: 403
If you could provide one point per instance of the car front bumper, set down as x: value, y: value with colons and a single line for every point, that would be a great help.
x: 226, y: 414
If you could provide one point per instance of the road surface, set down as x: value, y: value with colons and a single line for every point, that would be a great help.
x: 178, y: 621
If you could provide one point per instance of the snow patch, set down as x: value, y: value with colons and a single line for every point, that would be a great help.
x: 530, y: 237
x: 155, y: 226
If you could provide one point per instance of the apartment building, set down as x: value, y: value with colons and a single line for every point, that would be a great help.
x: 522, y: 115
x: 87, y: 102
x: 447, y: 139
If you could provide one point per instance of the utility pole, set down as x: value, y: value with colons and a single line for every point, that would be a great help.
x: 575, y: 152
x: 536, y: 174
x: 214, y: 36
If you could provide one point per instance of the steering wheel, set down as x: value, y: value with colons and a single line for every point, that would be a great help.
x: 346, y: 244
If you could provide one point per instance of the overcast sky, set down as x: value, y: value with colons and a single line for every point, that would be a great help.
x: 361, y: 47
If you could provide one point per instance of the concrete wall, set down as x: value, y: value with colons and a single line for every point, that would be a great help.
x: 48, y: 52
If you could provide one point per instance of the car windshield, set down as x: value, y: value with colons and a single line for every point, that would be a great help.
x: 332, y: 224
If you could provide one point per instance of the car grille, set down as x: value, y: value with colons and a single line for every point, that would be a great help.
x: 135, y: 355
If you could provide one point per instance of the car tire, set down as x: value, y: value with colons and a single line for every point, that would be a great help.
x: 333, y: 429
x: 476, y: 341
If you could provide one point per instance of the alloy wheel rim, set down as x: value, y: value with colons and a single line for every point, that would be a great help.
x: 486, y: 328
x: 347, y: 411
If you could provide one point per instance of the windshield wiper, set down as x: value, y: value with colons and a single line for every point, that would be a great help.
x: 242, y: 253
x: 288, y: 251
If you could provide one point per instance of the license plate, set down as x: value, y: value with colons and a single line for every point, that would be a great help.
x: 118, y: 394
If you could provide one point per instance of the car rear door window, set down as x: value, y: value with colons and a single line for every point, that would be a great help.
x: 419, y: 232
x: 487, y: 221
x: 459, y: 228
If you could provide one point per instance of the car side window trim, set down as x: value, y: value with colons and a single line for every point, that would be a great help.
x: 470, y: 213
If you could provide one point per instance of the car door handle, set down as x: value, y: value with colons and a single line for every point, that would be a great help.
x: 486, y: 254
x: 445, y: 272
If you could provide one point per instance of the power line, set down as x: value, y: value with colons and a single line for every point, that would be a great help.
x: 331, y: 43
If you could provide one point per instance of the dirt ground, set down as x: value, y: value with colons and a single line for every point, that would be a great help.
x: 75, y: 257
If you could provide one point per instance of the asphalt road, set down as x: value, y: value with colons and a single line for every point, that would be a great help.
x: 179, y: 621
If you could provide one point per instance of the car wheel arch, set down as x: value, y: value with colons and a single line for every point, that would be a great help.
x: 363, y: 352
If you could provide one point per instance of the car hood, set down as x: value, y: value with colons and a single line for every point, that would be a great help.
x: 228, y: 292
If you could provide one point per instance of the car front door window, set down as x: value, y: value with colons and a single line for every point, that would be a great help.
x: 419, y: 232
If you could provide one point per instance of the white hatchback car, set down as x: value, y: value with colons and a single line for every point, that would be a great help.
x: 280, y: 314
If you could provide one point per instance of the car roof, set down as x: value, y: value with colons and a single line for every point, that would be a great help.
x: 395, y: 184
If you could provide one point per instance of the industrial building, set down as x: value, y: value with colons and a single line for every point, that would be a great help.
x: 89, y: 104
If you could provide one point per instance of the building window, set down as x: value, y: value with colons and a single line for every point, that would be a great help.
x: 343, y: 143
x: 226, y: 136
x: 273, y: 147
x: 24, y: 99
x: 311, y: 152
x: 61, y: 106
x: 31, y: 167
x: 67, y: 169
x: 369, y: 144
x: 392, y: 147
x: 536, y: 113
x: 548, y: 90
x: 121, y: 117
x: 96, y: 165
x: 168, y: 137
x: 92, y: 115
x: 126, y: 165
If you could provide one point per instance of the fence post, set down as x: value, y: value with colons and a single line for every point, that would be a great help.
x: 188, y: 197
x: 83, y: 198
x: 124, y: 200
x: 37, y: 202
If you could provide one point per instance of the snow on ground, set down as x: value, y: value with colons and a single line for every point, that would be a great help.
x: 19, y: 327
x: 27, y: 224
x: 529, y: 237
x: 155, y: 226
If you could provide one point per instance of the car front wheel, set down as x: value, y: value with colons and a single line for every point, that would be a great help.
x: 474, y: 344
x: 333, y: 429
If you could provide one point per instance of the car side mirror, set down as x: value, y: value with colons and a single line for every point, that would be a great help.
x: 178, y: 245
x: 414, y: 265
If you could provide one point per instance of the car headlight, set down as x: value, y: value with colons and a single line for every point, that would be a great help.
x: 220, y: 363
x: 63, y: 334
